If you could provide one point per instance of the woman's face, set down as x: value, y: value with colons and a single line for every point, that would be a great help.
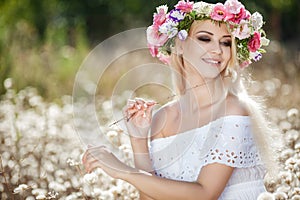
x: 208, y: 48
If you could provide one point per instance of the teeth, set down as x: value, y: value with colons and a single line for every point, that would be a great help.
x: 213, y: 61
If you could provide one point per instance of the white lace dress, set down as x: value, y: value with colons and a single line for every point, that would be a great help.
x: 227, y: 140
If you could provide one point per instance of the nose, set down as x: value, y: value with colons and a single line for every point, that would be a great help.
x: 216, y: 48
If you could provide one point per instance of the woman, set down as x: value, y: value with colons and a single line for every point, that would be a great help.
x: 209, y: 142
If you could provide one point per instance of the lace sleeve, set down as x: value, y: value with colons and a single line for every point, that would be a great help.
x: 235, y: 146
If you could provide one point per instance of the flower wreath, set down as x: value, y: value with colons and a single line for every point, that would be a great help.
x: 244, y: 26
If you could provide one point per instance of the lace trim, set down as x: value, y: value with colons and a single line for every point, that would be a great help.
x: 228, y: 141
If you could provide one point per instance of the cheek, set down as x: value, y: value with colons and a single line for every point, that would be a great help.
x: 193, y: 52
x: 227, y: 54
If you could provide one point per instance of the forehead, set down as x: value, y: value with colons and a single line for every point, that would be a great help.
x: 208, y: 25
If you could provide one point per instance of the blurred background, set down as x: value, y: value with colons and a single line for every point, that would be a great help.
x: 42, y: 46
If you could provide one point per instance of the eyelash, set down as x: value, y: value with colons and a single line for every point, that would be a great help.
x: 205, y: 39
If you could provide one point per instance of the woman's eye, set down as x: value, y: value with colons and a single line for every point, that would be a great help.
x: 226, y: 43
x: 204, y: 39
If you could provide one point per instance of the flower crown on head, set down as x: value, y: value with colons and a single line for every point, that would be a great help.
x: 244, y: 26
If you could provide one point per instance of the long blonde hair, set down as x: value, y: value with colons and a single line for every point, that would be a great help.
x: 265, y: 134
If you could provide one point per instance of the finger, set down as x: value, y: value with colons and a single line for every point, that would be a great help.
x: 132, y: 116
x: 148, y: 112
x: 140, y: 103
x: 85, y: 155
x: 139, y: 100
x: 91, y: 153
x: 130, y: 101
x: 151, y: 103
x: 93, y: 165
x: 132, y: 110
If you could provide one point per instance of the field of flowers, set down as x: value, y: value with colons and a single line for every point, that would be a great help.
x: 40, y: 150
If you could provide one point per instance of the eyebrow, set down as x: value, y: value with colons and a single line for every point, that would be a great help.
x: 212, y: 33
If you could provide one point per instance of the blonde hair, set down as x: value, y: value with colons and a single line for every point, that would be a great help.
x: 265, y: 135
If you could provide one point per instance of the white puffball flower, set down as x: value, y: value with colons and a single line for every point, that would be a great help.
x: 296, y: 197
x: 266, y: 196
x: 257, y: 20
x: 281, y: 195
x: 293, y: 112
x: 21, y: 188
x: 8, y: 83
x: 283, y: 188
x: 38, y: 191
x: 90, y: 178
x: 41, y: 196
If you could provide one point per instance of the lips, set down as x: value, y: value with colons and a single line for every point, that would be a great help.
x: 213, y: 62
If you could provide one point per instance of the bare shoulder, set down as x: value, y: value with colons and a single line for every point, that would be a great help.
x: 162, y: 118
x: 235, y: 107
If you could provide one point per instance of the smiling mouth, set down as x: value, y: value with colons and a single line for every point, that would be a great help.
x: 212, y: 62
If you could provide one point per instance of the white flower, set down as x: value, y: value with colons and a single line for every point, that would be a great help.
x: 280, y: 195
x: 283, y: 189
x: 112, y: 134
x: 8, y: 83
x: 21, y: 188
x: 169, y: 28
x: 255, y: 56
x: 90, y: 178
x: 72, y: 162
x: 296, y: 197
x: 162, y: 7
x: 40, y: 196
x: 266, y: 196
x: 264, y: 41
x: 182, y: 35
x: 257, y: 20
x: 57, y: 186
x: 177, y: 15
x: 39, y: 191
x: 203, y: 8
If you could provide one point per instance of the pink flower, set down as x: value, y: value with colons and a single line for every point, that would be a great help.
x: 153, y: 50
x: 219, y: 12
x: 160, y: 17
x: 242, y: 31
x: 155, y: 38
x: 233, y: 6
x: 237, y: 18
x: 254, y: 43
x: 185, y: 6
x: 164, y: 58
x: 245, y: 64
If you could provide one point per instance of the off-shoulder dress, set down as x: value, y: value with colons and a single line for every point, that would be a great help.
x: 227, y: 140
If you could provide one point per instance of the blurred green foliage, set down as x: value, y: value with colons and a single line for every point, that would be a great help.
x: 42, y: 43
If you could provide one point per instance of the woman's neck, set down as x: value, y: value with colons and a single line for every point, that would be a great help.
x: 206, y: 92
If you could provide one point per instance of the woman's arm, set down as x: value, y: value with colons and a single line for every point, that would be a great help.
x: 210, y: 184
x: 141, y: 159
x: 138, y: 127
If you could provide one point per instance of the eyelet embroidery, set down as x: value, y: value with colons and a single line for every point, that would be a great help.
x: 231, y: 149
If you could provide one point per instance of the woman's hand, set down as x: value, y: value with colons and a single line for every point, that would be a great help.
x: 138, y: 115
x: 101, y: 157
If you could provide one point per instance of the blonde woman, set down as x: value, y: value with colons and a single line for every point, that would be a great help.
x: 211, y: 141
